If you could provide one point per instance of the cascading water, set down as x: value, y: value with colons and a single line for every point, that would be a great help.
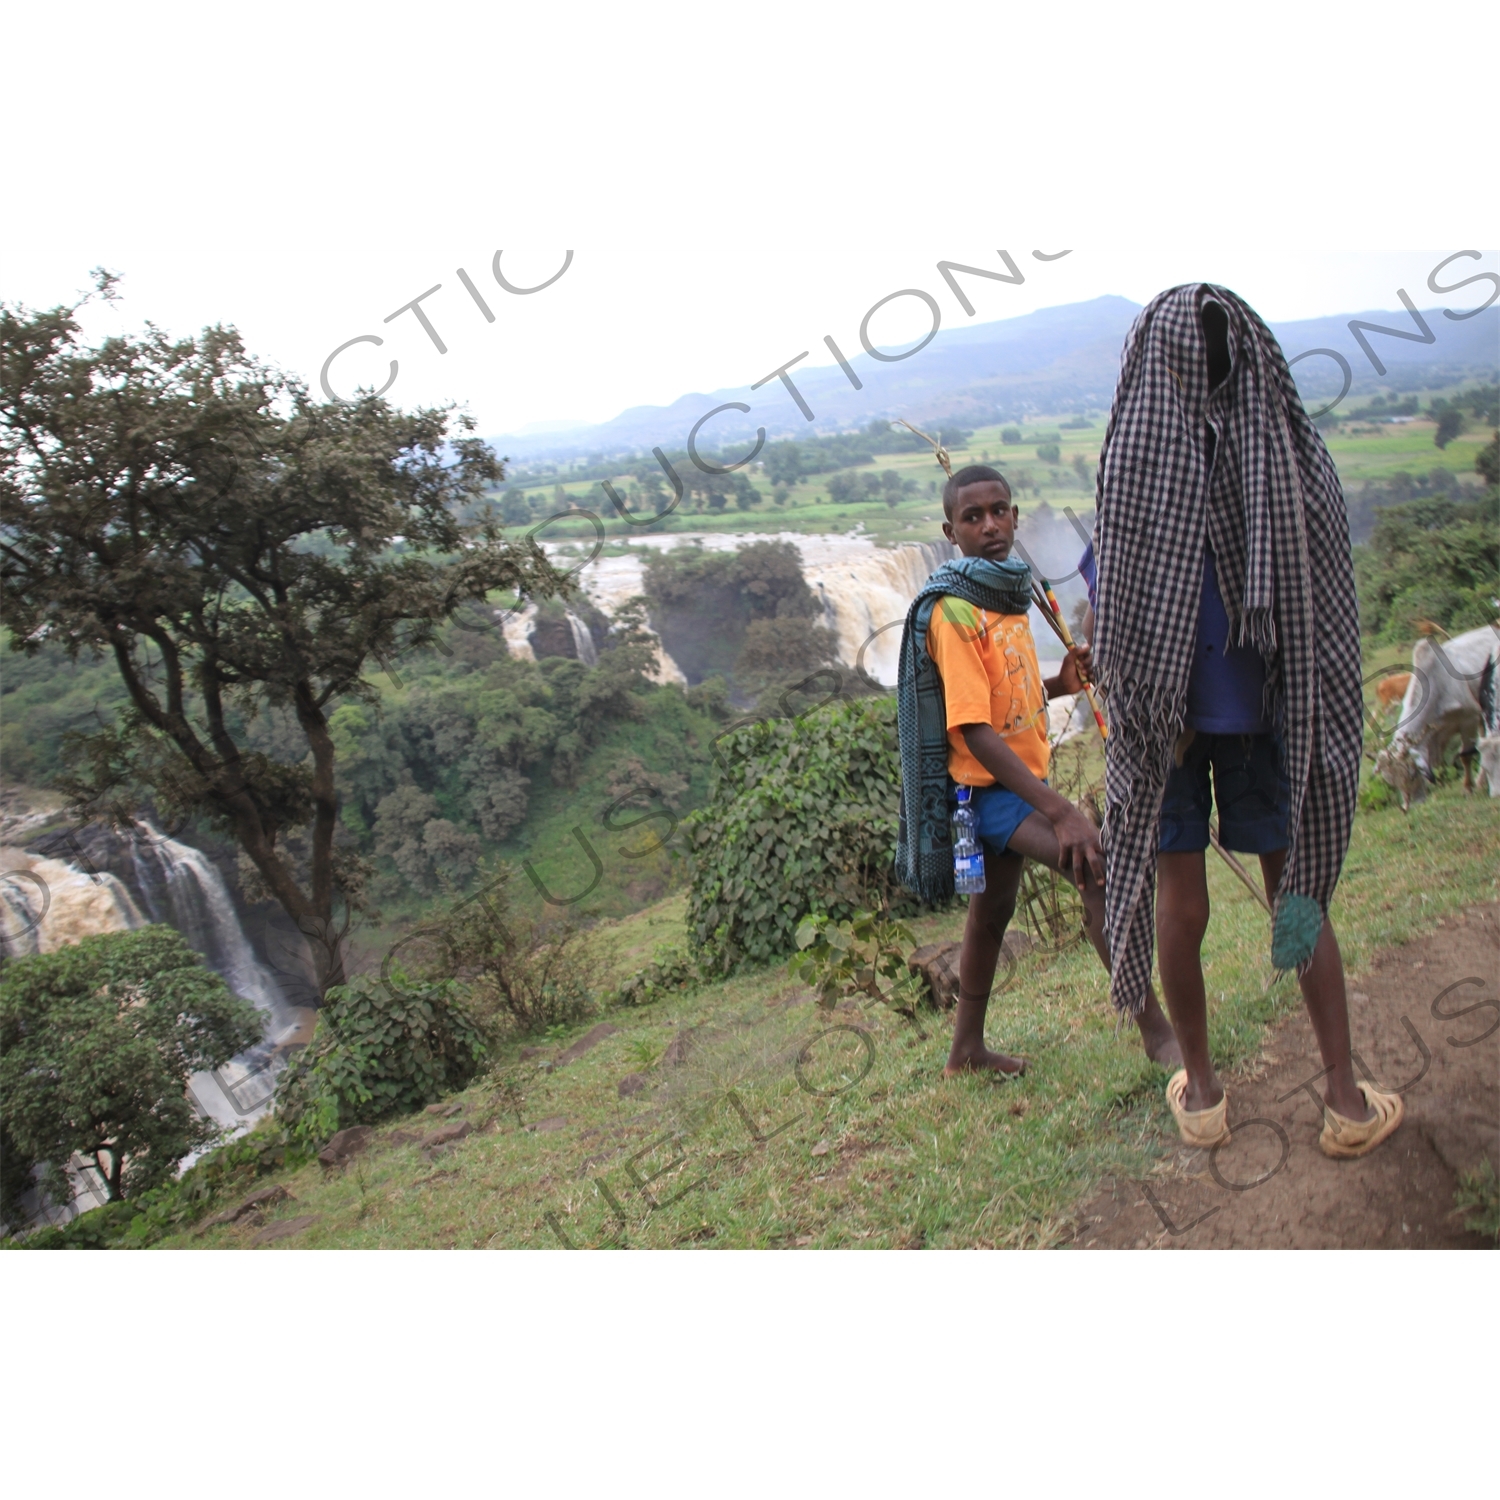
x: 864, y: 589
x: 583, y: 642
x: 181, y: 886
x: 143, y: 876
x: 130, y: 879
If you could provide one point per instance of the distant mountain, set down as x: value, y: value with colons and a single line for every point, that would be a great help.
x: 1058, y: 359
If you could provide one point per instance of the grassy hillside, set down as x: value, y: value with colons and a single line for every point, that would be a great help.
x: 870, y: 1146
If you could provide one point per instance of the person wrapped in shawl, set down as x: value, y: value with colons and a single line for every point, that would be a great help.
x: 972, y: 710
x: 1226, y: 634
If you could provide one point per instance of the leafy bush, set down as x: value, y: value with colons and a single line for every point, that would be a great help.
x: 1376, y: 795
x: 672, y: 971
x: 1049, y: 453
x: 381, y: 1047
x: 801, y: 818
x: 1010, y: 434
x: 1430, y: 559
x: 851, y: 958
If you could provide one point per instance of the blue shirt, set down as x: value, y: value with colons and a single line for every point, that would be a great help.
x: 1226, y: 686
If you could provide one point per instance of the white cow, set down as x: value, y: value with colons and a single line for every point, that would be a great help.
x: 1451, y: 692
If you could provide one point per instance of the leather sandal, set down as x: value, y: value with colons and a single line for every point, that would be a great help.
x: 1343, y: 1137
x: 1197, y: 1127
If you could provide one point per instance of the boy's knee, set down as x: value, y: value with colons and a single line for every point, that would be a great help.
x: 997, y: 914
x: 1187, y: 919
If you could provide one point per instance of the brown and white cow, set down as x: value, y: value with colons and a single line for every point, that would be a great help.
x: 1451, y: 692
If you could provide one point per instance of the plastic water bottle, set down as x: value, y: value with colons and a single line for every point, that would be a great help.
x: 968, y: 857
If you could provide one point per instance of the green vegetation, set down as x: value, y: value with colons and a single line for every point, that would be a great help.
x: 231, y: 543
x: 1478, y: 1199
x: 381, y: 1048
x: 97, y: 1042
x: 887, y: 1154
x: 841, y: 960
x: 801, y: 818
x: 1433, y: 559
x: 522, y: 977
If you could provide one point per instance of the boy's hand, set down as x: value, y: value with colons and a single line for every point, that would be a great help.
x: 1078, y: 846
x: 1077, y: 668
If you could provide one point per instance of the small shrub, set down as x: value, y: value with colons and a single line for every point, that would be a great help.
x: 1478, y: 1199
x: 521, y: 976
x: 672, y: 971
x: 853, y: 957
x: 381, y: 1047
x: 1377, y: 794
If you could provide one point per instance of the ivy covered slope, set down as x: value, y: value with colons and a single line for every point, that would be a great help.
x: 801, y: 818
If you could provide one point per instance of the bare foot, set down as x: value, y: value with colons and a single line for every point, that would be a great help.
x: 984, y: 1061
x: 1159, y: 1040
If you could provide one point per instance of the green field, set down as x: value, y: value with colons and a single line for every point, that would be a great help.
x: 1366, y: 452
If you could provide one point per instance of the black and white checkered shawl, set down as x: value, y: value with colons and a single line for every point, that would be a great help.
x: 1274, y: 515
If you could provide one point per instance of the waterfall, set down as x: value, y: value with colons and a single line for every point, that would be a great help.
x: 47, y: 903
x: 181, y: 886
x: 515, y: 626
x: 583, y: 642
x: 865, y: 591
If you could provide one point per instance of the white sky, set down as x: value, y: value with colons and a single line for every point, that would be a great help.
x: 626, y: 328
x: 734, y: 186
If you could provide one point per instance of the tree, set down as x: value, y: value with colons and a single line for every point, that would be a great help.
x: 1010, y: 435
x: 1487, y: 461
x: 236, y: 547
x: 1434, y: 558
x: 1450, y: 422
x: 784, y: 463
x: 97, y: 1042
x: 1049, y: 453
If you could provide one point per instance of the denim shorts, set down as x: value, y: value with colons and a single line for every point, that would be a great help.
x: 998, y: 812
x: 1249, y: 790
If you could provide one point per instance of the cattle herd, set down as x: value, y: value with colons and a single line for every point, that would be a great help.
x: 1449, y: 692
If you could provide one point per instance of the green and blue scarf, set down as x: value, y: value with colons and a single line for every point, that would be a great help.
x: 924, y: 846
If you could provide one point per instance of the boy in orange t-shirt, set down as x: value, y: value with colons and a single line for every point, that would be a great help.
x: 996, y: 705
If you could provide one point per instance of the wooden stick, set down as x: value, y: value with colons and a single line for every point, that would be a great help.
x: 1239, y: 870
x: 1065, y: 635
x: 938, y: 449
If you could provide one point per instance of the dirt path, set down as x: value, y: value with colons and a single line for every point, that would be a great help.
x: 1272, y: 1187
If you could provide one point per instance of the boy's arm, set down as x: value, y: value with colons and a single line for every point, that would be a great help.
x: 1077, y: 839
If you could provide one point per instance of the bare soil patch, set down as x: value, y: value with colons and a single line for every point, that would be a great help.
x: 1425, y: 1021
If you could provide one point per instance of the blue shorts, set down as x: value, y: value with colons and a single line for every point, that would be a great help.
x: 1249, y: 791
x: 998, y: 812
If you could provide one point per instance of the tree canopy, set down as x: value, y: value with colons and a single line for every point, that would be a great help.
x: 97, y: 1042
x: 235, y: 546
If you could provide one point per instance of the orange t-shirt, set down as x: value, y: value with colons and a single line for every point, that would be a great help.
x: 990, y: 675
